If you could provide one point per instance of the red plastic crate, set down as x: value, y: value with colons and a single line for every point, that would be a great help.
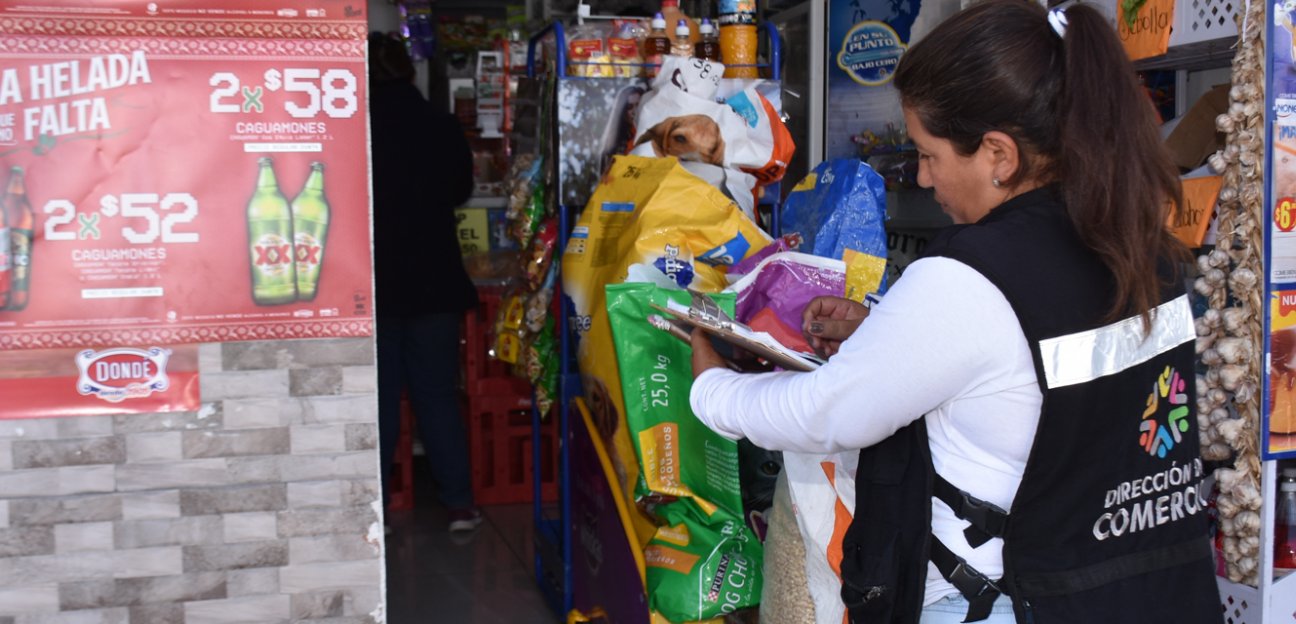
x: 499, y: 438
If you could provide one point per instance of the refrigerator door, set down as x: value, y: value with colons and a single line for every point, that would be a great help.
x: 803, y: 29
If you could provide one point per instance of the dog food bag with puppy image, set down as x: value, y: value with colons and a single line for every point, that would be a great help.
x: 678, y: 455
x: 651, y: 218
x: 700, y: 566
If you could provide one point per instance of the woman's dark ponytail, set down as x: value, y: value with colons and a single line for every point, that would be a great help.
x: 1118, y: 180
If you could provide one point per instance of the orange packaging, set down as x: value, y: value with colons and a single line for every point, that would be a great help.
x: 738, y: 38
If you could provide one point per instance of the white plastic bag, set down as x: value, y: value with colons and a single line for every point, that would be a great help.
x: 822, y: 487
x: 679, y: 117
x: 735, y: 144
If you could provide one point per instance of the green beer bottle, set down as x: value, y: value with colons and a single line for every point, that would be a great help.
x: 270, y: 237
x: 310, y: 215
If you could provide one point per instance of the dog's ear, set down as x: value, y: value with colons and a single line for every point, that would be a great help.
x: 715, y: 155
x: 662, y: 135
x: 656, y: 135
x: 648, y: 135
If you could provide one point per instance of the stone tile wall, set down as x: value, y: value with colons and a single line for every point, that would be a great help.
x: 261, y: 507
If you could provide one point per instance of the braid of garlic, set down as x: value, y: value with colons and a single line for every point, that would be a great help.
x: 1230, y: 334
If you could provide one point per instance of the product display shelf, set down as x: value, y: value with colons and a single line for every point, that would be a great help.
x: 766, y: 29
x: 1204, y: 35
x: 554, y: 535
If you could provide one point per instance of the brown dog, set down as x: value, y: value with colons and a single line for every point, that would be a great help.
x: 687, y: 137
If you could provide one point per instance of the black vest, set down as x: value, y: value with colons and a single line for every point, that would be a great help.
x: 1108, y: 524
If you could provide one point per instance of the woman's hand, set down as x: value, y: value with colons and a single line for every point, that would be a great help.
x: 704, y: 355
x: 825, y: 323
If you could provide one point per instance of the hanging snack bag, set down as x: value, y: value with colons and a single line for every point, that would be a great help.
x: 541, y: 252
x: 526, y: 206
x: 540, y: 364
x: 509, y: 327
x: 524, y: 180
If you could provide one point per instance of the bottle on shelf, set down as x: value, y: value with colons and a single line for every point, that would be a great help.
x: 1285, y: 524
x: 680, y: 45
x: 708, y: 45
x: 738, y: 38
x: 656, y: 45
x: 670, y: 10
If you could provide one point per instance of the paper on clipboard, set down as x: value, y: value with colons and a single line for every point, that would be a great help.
x: 704, y: 314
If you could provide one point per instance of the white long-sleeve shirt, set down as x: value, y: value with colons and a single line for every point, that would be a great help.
x: 943, y: 344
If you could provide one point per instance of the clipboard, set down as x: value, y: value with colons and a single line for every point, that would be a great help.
x: 703, y: 313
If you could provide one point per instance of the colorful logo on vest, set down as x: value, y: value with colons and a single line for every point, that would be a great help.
x: 1166, y: 417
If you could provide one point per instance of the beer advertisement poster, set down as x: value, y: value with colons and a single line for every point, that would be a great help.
x: 178, y: 173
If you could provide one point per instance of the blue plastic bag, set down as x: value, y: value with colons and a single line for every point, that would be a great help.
x: 840, y: 205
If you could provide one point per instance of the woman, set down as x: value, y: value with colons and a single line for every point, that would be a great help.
x: 1023, y: 395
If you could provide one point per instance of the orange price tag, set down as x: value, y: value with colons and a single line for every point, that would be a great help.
x: 1285, y: 214
x: 1190, y: 222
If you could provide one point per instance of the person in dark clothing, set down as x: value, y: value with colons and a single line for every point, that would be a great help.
x: 422, y: 170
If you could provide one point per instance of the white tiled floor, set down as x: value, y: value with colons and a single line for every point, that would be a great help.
x: 486, y: 577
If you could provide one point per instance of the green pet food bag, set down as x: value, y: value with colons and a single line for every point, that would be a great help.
x: 702, y: 566
x: 679, y: 457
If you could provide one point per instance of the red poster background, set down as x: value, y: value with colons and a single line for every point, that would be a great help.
x: 190, y: 136
x: 140, y: 186
x: 42, y: 383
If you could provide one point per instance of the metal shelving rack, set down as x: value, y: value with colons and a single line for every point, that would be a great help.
x: 553, y: 543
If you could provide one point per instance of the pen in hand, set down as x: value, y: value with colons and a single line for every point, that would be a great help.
x: 660, y: 322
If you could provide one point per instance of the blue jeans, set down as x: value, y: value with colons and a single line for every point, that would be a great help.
x: 953, y: 609
x: 422, y: 354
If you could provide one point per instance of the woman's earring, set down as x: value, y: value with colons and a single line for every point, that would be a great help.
x: 995, y: 182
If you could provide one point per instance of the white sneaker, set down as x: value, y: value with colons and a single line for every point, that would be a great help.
x: 465, y: 519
